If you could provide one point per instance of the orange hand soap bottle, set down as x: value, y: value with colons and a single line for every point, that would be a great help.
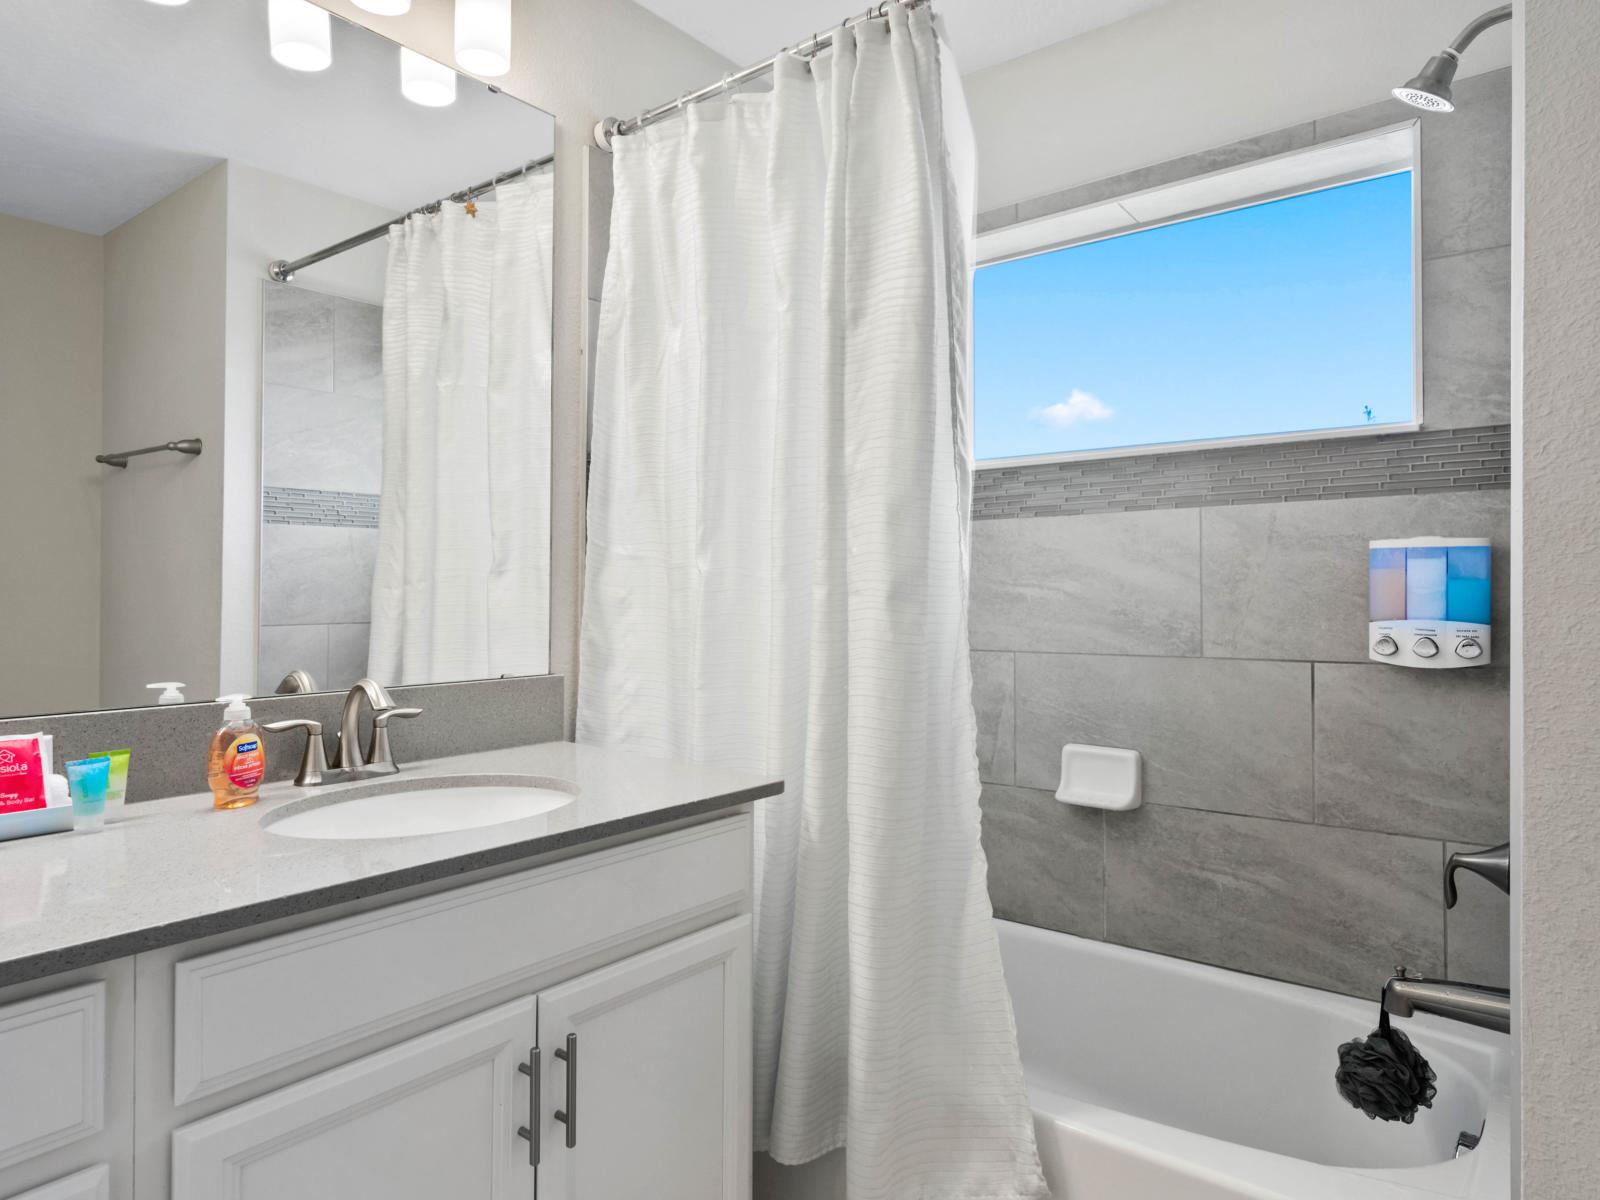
x: 237, y: 759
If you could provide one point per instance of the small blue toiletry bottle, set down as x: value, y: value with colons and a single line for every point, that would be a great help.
x: 89, y: 779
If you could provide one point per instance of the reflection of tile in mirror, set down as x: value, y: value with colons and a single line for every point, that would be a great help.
x: 313, y: 574
x: 331, y: 441
x: 357, y: 349
x: 347, y: 654
x: 298, y: 343
x: 286, y: 648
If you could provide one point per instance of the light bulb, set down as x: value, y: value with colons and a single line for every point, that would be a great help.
x: 385, y: 8
x: 425, y: 82
x: 169, y: 3
x: 301, y: 34
x: 483, y: 36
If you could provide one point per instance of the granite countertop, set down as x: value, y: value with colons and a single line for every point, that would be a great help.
x: 170, y: 870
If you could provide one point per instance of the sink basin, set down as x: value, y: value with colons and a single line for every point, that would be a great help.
x: 401, y: 807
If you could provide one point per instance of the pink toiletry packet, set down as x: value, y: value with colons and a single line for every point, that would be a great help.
x: 21, y: 775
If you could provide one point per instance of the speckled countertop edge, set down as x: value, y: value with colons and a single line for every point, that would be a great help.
x: 722, y: 790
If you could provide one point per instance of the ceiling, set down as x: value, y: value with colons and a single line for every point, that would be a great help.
x: 981, y: 32
x: 107, y: 106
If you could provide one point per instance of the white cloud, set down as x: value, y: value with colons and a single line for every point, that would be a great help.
x: 1079, y: 406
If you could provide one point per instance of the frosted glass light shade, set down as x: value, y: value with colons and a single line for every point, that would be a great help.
x: 301, y: 34
x: 386, y: 8
x: 425, y: 82
x: 483, y: 36
x: 169, y: 3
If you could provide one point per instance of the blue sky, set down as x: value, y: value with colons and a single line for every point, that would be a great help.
x: 1285, y: 316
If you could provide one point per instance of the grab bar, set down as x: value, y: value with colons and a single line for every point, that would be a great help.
x: 120, y: 458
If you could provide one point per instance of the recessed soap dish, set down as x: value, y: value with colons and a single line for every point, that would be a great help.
x: 1100, y: 777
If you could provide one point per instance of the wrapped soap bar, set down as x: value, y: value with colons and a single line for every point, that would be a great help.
x: 24, y: 767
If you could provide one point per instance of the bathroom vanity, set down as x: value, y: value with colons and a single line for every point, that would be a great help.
x: 195, y: 1006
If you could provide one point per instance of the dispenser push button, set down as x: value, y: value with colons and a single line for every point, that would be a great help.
x: 1425, y: 647
x: 1386, y: 646
x: 1469, y: 648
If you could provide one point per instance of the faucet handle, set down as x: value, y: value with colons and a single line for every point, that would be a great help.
x: 314, y: 761
x: 1494, y: 864
x: 378, y: 752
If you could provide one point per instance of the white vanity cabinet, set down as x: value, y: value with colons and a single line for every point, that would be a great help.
x: 578, y: 1030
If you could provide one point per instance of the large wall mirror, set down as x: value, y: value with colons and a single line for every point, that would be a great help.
x: 348, y: 460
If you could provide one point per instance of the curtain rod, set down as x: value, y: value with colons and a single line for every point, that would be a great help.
x: 611, y: 127
x: 281, y: 271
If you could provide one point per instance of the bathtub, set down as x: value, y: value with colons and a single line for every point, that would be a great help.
x: 1157, y: 1079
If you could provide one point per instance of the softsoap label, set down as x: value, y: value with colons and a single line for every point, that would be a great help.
x: 245, y: 762
x: 21, y: 775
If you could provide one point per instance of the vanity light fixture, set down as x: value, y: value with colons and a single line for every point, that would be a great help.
x: 169, y: 3
x: 483, y: 36
x: 385, y: 8
x: 301, y: 34
x: 425, y: 82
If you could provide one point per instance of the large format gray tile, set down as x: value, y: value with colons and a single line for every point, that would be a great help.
x: 311, y: 439
x: 1290, y: 580
x: 286, y: 648
x: 1466, y: 339
x: 1333, y: 908
x: 1107, y: 583
x: 316, y: 575
x: 358, y: 349
x: 1477, y: 930
x: 1046, y: 860
x: 347, y: 654
x: 1411, y: 751
x: 297, y: 347
x: 1466, y: 169
x: 992, y: 677
x: 1218, y: 734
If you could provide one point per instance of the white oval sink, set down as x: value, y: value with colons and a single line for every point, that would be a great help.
x: 417, y: 808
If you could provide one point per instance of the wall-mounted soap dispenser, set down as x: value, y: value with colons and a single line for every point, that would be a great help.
x: 1429, y: 602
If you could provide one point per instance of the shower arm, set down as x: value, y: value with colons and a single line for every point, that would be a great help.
x: 1470, y: 34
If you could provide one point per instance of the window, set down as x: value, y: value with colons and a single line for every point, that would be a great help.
x: 1285, y: 307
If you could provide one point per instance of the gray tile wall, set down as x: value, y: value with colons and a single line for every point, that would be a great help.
x: 1299, y: 800
x: 321, y: 468
x: 1390, y: 464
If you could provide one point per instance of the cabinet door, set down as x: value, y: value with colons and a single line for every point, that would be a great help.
x: 434, y: 1118
x: 93, y: 1184
x: 655, y: 1091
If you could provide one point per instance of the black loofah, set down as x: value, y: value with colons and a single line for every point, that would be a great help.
x: 1384, y: 1076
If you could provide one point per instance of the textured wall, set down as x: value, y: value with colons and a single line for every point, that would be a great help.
x: 1559, y: 1030
x: 1299, y: 799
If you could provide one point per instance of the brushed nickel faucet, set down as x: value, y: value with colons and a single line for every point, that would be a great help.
x: 379, y: 760
x: 1472, y: 1003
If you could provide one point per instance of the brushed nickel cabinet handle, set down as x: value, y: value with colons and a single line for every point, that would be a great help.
x: 569, y: 1115
x: 530, y: 1131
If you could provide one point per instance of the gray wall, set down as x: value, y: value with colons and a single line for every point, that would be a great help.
x: 1558, y: 239
x: 1299, y: 800
x: 321, y: 468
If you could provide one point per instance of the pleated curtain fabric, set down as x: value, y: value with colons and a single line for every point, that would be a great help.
x: 776, y: 580
x: 461, y: 587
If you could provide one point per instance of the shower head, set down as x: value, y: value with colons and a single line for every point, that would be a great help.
x: 1430, y: 89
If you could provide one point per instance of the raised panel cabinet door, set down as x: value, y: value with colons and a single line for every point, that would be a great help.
x: 93, y: 1184
x: 433, y: 1118
x: 646, y: 1075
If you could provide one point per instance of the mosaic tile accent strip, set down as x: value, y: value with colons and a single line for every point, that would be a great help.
x: 1336, y: 468
x: 313, y: 506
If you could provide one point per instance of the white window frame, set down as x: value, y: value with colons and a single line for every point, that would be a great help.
x: 1370, y: 155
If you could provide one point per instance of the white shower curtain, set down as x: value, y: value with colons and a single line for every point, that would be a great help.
x: 461, y: 587
x: 777, y: 581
